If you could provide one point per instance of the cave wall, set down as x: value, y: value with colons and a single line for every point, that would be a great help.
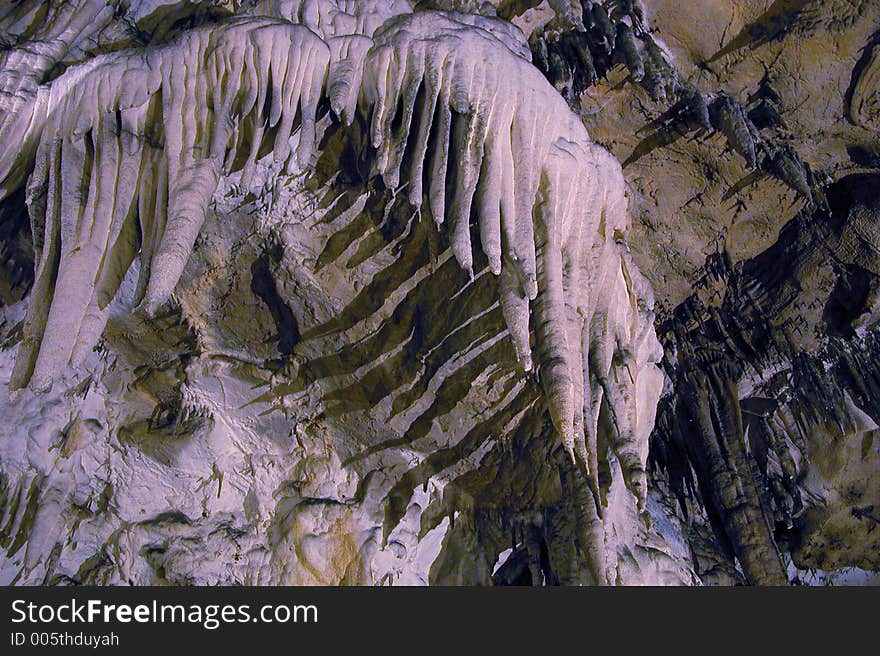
x: 333, y: 392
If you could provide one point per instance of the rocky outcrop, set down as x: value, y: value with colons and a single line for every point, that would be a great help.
x: 769, y: 442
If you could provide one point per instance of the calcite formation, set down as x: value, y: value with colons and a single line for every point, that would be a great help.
x: 124, y: 153
x: 328, y: 291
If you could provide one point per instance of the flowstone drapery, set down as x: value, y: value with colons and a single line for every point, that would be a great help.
x: 123, y: 154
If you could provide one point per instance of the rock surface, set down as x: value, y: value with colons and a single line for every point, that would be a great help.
x: 223, y: 363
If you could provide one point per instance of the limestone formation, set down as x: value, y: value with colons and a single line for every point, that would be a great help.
x: 337, y: 291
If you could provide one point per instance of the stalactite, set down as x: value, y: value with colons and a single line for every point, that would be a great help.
x: 625, y: 44
x: 753, y: 462
x: 787, y: 166
x: 131, y: 147
x: 660, y: 79
x: 489, y: 124
x: 40, y: 46
x: 600, y: 18
x: 715, y: 435
x: 729, y: 118
x: 113, y: 150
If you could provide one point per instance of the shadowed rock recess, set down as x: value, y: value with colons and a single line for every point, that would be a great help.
x: 388, y: 292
